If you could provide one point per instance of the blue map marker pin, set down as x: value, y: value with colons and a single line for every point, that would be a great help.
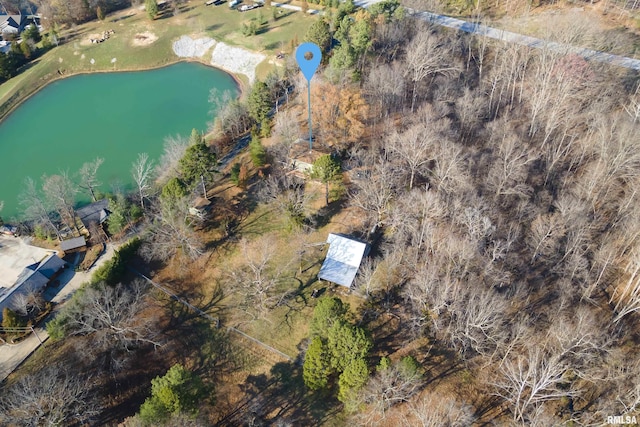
x: 308, y: 68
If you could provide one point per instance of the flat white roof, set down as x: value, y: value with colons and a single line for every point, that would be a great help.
x: 15, y: 255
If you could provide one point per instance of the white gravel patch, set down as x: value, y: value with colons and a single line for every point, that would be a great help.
x: 186, y: 47
x: 236, y: 60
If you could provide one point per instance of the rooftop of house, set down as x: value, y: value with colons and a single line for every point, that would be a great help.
x: 343, y: 259
x: 15, y: 254
x: 34, y: 276
x: 75, y: 243
x: 15, y: 22
x: 96, y: 212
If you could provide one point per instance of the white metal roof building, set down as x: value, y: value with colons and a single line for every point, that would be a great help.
x: 343, y: 259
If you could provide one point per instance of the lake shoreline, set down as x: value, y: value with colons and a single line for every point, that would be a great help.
x: 240, y: 85
x: 129, y: 112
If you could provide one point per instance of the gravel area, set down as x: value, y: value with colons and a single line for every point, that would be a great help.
x: 232, y: 59
x: 186, y: 47
x: 236, y: 60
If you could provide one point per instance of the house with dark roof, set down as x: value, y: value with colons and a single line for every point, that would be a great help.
x: 72, y: 245
x: 49, y: 266
x: 94, y: 213
x: 33, y: 278
x: 343, y: 259
x: 12, y: 24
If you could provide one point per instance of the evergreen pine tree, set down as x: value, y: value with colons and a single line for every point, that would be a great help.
x: 151, y: 6
x: 316, y: 370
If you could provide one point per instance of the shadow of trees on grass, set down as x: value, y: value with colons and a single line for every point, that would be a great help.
x: 280, y: 395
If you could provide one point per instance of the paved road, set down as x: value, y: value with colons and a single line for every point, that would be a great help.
x: 507, y: 36
x: 12, y: 355
x: 241, y: 143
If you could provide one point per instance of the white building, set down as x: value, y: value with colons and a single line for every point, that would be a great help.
x: 343, y: 259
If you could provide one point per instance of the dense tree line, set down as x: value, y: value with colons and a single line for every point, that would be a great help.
x: 23, y: 52
x: 502, y: 178
x: 77, y: 11
x: 510, y: 204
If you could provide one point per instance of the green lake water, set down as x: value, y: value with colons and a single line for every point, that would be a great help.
x: 113, y: 115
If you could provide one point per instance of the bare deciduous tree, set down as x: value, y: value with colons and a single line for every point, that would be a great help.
x: 88, y: 174
x: 386, y: 83
x: 623, y: 376
x: 259, y: 280
x: 388, y: 387
x: 366, y: 282
x: 35, y: 208
x: 414, y: 218
x: 173, y: 150
x: 470, y: 109
x: 546, y: 231
x: 413, y: 147
x: 231, y: 115
x: 26, y: 302
x: 439, y: 283
x: 508, y: 174
x: 633, y: 107
x: 580, y: 337
x: 477, y: 323
x: 477, y: 224
x: 504, y: 81
x: 529, y: 379
x: 286, y: 193
x: 449, y: 173
x: 435, y: 409
x: 51, y: 396
x: 60, y: 194
x: 374, y: 194
x: 626, y: 294
x: 287, y: 131
x: 427, y: 55
x: 112, y: 316
x: 142, y: 171
x: 171, y: 232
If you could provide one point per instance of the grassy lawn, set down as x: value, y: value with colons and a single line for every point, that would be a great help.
x: 197, y: 20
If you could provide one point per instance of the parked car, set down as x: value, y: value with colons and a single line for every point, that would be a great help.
x: 246, y: 7
x: 9, y: 230
x: 233, y: 3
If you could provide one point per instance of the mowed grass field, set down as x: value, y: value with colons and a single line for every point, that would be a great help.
x: 132, y: 46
